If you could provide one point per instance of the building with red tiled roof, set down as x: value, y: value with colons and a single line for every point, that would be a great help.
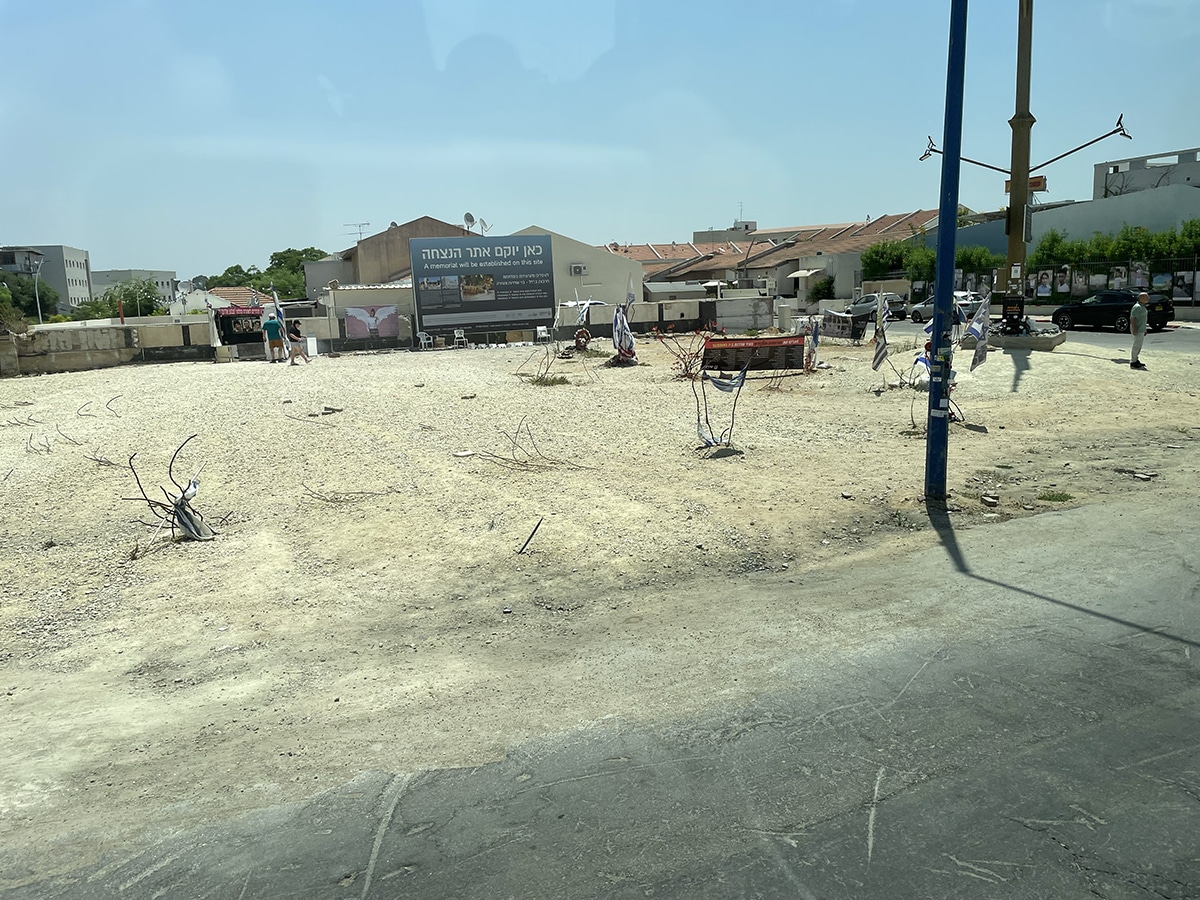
x: 787, y: 261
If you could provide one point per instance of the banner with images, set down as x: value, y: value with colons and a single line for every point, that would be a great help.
x: 1062, y: 281
x: 372, y: 322
x: 1118, y: 277
x: 1139, y: 276
x: 1183, y: 287
x: 1098, y: 281
x: 239, y: 324
x: 1160, y: 283
x: 483, y: 283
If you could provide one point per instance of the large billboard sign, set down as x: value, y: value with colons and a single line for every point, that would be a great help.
x: 483, y: 283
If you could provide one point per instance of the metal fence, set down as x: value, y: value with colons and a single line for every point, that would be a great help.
x: 1177, y: 279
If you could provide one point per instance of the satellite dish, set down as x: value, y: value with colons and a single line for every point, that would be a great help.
x: 468, y: 220
x: 484, y: 227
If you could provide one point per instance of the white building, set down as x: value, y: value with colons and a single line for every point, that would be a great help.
x: 1142, y: 173
x: 164, y: 281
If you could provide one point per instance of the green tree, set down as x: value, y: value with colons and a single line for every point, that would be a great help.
x: 882, y: 259
x: 977, y: 260
x: 25, y: 299
x: 11, y: 318
x: 920, y: 262
x: 99, y: 308
x: 136, y: 297
x: 822, y: 290
x: 284, y: 273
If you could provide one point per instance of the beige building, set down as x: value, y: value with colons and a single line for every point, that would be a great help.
x: 379, y: 259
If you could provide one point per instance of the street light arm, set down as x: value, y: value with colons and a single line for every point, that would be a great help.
x: 932, y: 149
x: 1119, y: 129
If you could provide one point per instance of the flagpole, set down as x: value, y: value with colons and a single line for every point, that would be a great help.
x: 941, y: 351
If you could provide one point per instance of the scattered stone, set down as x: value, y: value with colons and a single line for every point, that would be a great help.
x: 506, y: 610
x: 846, y: 495
x: 462, y: 453
x: 468, y: 396
x: 1027, y: 506
x: 990, y: 500
x: 1141, y: 476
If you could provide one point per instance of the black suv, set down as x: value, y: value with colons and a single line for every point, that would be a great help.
x: 1110, y: 309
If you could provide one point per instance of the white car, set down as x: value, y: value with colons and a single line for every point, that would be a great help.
x: 967, y: 301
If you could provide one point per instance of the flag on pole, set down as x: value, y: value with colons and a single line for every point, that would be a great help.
x: 622, y: 335
x: 814, y: 330
x: 979, y: 326
x: 278, y: 310
x: 881, y: 345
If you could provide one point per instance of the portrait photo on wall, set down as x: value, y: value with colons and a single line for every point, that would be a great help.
x: 1160, y: 283
x: 1079, y: 283
x: 1183, y: 287
x: 1044, y: 281
x: 1139, y: 275
x: 1098, y: 281
x: 1062, y: 281
x: 1118, y: 277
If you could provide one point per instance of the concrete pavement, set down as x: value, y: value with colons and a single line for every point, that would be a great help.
x: 1039, y: 737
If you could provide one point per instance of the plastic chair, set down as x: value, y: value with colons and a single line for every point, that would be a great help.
x: 425, y: 339
x: 460, y: 338
x: 543, y: 334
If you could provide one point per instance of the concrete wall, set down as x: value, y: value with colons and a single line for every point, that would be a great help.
x: 1156, y: 210
x: 41, y: 351
x: 319, y: 273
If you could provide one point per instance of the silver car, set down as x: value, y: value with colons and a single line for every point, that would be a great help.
x: 868, y: 305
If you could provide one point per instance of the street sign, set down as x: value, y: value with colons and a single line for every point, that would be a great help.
x: 1036, y: 183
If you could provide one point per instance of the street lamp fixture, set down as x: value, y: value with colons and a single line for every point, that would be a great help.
x: 36, y: 297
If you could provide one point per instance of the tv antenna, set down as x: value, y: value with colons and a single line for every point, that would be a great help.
x: 484, y: 227
x: 358, y: 227
x: 468, y: 221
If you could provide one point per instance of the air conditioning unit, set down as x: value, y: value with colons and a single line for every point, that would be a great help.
x: 578, y: 269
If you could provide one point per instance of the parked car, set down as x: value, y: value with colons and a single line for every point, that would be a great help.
x: 968, y: 301
x: 868, y: 305
x: 1110, y: 309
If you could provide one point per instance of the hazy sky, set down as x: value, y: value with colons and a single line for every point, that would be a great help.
x: 191, y: 135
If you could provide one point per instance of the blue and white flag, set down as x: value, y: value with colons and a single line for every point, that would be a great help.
x: 278, y: 310
x: 622, y: 335
x: 881, y: 344
x: 728, y: 385
x: 979, y: 326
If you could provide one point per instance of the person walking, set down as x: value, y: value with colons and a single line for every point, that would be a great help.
x: 1138, y: 317
x: 273, y: 331
x: 296, y: 343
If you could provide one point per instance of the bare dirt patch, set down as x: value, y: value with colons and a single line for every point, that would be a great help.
x: 364, y: 605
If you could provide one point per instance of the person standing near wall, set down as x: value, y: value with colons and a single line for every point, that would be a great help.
x: 1138, y: 318
x: 272, y: 330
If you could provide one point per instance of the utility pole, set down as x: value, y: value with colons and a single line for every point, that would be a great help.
x: 941, y: 352
x: 1017, y: 221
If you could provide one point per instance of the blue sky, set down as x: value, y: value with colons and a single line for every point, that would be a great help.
x: 195, y: 135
